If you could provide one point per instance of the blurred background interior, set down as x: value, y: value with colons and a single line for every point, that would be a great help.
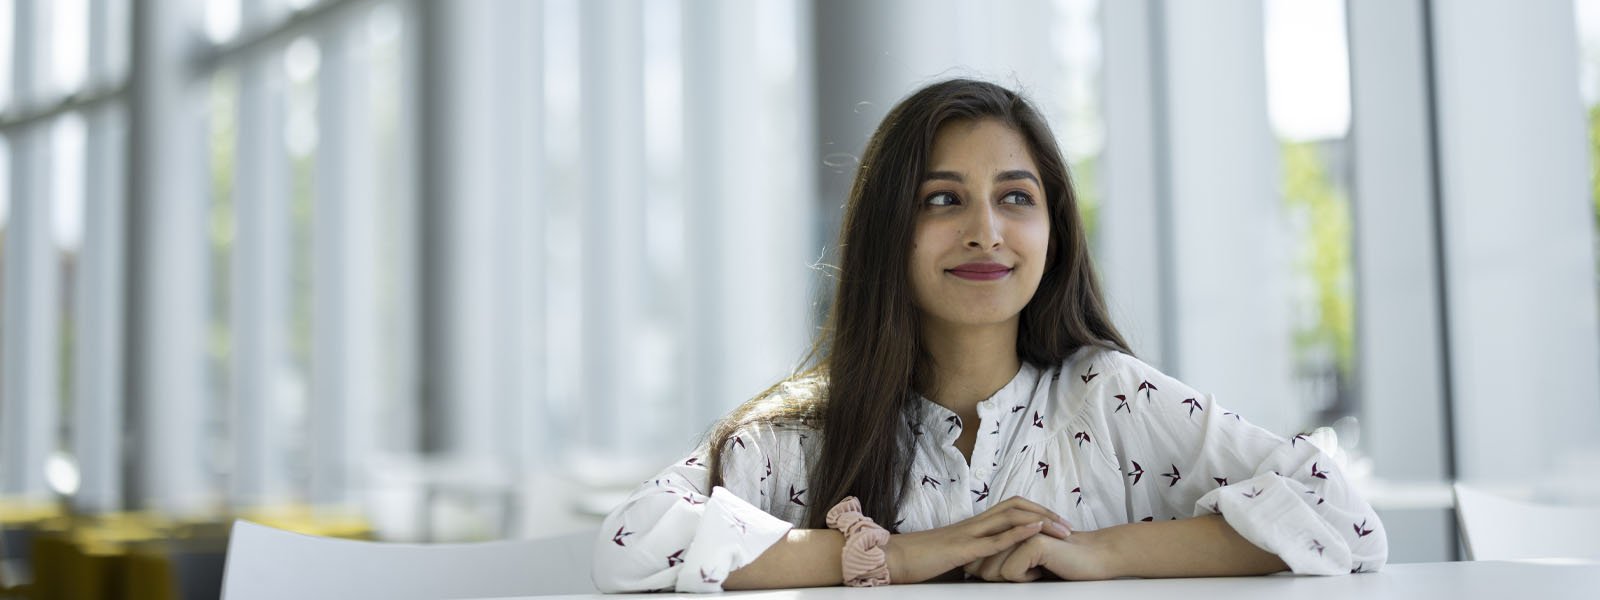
x: 421, y: 270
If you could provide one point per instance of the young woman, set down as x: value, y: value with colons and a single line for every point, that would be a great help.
x: 970, y: 395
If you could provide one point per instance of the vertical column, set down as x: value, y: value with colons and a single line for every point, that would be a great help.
x: 260, y: 290
x: 874, y: 54
x: 1136, y: 206
x: 791, y: 58
x: 97, y: 405
x: 429, y: 78
x: 29, y: 409
x: 746, y: 257
x: 1400, y: 354
x: 519, y: 399
x: 344, y: 372
x: 166, y: 262
x: 406, y: 325
x: 708, y: 132
x: 766, y: 285
x: 1230, y: 263
x: 470, y: 302
x: 1519, y: 242
x: 613, y: 227
x: 484, y: 230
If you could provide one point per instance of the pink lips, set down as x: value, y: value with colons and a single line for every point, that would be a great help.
x: 980, y: 271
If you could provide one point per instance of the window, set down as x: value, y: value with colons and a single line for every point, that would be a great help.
x: 62, y: 91
x: 1308, y: 88
x: 1588, y: 21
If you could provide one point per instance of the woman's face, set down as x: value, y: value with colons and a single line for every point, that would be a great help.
x: 983, y: 229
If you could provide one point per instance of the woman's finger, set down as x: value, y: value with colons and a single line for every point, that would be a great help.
x: 1006, y: 566
x: 1057, y: 530
x: 992, y: 524
x: 1004, y: 540
x: 994, y: 568
x: 986, y: 567
x: 1021, y: 563
x: 975, y: 568
x: 1018, y: 502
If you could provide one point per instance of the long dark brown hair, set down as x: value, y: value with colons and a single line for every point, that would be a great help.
x: 864, y: 366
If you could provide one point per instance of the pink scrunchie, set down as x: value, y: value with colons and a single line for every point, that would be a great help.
x: 865, y: 564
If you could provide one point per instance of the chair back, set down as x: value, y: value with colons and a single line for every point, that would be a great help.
x: 1497, y: 528
x: 264, y: 562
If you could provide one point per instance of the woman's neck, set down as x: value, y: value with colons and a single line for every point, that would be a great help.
x: 970, y: 363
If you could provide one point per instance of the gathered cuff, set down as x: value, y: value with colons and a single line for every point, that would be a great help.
x: 731, y: 534
x: 1270, y: 514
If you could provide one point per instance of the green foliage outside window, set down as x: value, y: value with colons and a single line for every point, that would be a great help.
x: 1323, y: 256
x: 1594, y: 177
x: 1086, y: 184
x: 220, y: 227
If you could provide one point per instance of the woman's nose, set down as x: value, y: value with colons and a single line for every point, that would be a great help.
x: 983, y: 231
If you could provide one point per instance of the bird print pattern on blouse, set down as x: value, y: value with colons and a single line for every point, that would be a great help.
x: 1080, y: 445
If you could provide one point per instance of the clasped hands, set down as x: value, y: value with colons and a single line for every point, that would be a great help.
x: 1015, y: 540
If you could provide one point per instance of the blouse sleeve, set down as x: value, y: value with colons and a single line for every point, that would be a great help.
x: 1183, y: 451
x: 673, y: 534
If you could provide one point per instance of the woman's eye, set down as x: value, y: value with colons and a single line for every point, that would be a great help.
x: 942, y: 199
x: 1018, y: 198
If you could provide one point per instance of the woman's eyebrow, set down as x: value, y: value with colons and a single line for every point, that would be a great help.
x: 1012, y: 175
x: 1017, y: 174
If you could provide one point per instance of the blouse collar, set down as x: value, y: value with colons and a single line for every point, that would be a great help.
x: 941, y: 421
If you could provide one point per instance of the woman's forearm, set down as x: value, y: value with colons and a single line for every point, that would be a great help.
x: 803, y: 558
x: 1200, y: 547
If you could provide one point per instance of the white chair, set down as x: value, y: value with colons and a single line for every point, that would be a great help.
x: 268, y: 563
x: 1496, y: 528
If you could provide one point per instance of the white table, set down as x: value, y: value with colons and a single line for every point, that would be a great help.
x: 1452, y: 580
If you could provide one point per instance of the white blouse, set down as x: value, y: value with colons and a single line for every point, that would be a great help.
x: 1102, y: 440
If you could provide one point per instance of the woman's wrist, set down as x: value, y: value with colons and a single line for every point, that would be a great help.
x: 1199, y: 547
x: 891, y: 556
x: 1095, y: 554
x: 895, y: 553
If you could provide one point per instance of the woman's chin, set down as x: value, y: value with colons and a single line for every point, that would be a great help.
x: 991, y: 317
